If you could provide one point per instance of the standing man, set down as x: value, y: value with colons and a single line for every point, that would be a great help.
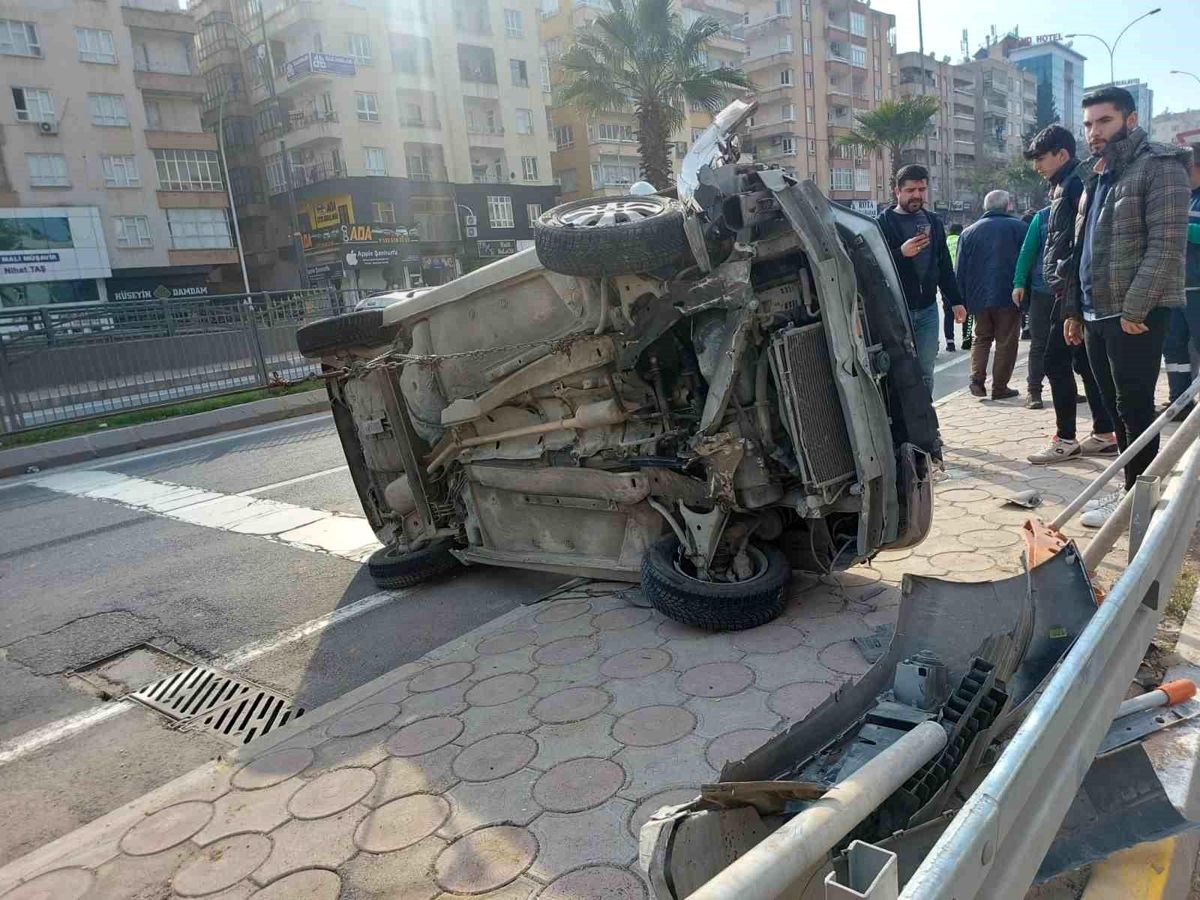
x: 987, y: 261
x: 1127, y: 270
x: 918, y: 243
x: 1182, y: 345
x: 1052, y: 153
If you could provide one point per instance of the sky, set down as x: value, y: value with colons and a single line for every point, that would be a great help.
x: 1149, y: 50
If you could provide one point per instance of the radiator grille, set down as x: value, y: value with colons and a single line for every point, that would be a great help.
x: 810, y: 408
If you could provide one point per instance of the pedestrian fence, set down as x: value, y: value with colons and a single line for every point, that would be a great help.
x: 65, y: 363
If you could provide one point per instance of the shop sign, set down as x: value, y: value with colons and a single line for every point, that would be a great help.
x: 496, y: 249
x: 329, y: 63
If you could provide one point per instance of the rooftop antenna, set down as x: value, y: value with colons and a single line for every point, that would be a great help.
x: 965, y: 46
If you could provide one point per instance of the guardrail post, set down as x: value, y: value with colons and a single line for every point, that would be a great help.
x: 1146, y: 494
x: 12, y: 409
x: 168, y: 319
x: 260, y: 361
x: 873, y: 874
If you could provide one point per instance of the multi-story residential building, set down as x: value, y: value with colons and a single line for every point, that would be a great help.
x: 405, y: 141
x: 1059, y: 72
x: 598, y: 155
x: 816, y: 66
x: 109, y: 187
x: 1143, y: 98
x: 1174, y: 127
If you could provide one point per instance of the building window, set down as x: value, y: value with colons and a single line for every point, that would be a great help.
x: 568, y: 181
x: 858, y: 24
x: 806, y: 10
x: 95, y: 46
x: 374, y: 161
x: 807, y: 45
x: 33, y: 104
x: 809, y: 115
x: 788, y: 146
x: 862, y: 179
x: 808, y: 81
x: 564, y: 137
x: 359, y: 48
x: 133, y: 231
x: 514, y: 27
x: 383, y: 212
x: 418, y: 168
x: 367, y: 107
x: 108, y: 110
x: 529, y: 168
x: 878, y: 93
x: 783, y: 7
x: 524, y: 121
x: 48, y: 170
x: 188, y: 170
x: 19, y: 38
x: 553, y: 48
x: 199, y: 229
x: 858, y: 56
x: 532, y: 211
x: 614, y: 133
x: 153, y: 115
x: 121, y: 171
x: 841, y: 179
x: 812, y: 147
x: 547, y: 83
x: 787, y: 113
x: 500, y: 212
x: 520, y: 72
x: 785, y: 77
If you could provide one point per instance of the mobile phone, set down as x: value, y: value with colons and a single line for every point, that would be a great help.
x: 923, y: 229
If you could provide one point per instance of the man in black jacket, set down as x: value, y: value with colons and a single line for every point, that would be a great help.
x: 918, y: 242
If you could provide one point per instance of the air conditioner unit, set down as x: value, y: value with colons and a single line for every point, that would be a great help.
x: 47, y: 127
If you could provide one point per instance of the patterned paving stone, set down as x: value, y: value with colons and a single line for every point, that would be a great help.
x: 500, y: 689
x: 362, y: 719
x: 568, y: 841
x: 565, y: 651
x: 520, y: 660
x: 401, y: 823
x: 652, y: 769
x: 716, y: 679
x: 331, y: 793
x: 652, y: 726
x: 166, y: 828
x: 578, y: 784
x: 523, y: 888
x: 689, y: 653
x: 962, y: 562
x: 310, y: 884
x: 617, y: 619
x: 652, y: 804
x: 571, y: 705
x: 797, y: 700
x: 595, y: 883
x: 580, y: 626
x: 636, y: 663
x: 424, y: 736
x: 474, y: 804
x: 845, y: 657
x: 485, y: 860
x: 402, y: 875
x: 735, y: 745
x: 307, y: 844
x: 773, y: 670
x: 222, y: 864
x: 612, y: 643
x: 439, y: 677
x: 654, y: 690
x: 430, y: 773
x: 445, y: 702
x: 361, y: 750
x: 483, y: 721
x: 717, y: 715
x: 771, y: 638
x: 591, y: 737
x: 140, y: 877
x: 61, y: 884
x: 506, y: 642
x: 272, y: 768
x: 561, y: 611
x: 552, y: 679
x: 494, y: 757
x: 250, y: 811
x: 845, y: 627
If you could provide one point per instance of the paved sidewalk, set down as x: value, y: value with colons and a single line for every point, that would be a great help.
x: 520, y: 760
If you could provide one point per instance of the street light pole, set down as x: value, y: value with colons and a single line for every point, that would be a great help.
x: 237, y: 231
x: 921, y: 50
x: 1191, y: 75
x: 1112, y: 49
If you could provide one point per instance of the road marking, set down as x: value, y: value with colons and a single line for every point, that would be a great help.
x: 298, y: 480
x: 317, y: 530
x: 951, y: 362
x: 51, y: 733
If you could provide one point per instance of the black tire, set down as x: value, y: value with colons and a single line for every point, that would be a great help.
x: 648, y: 234
x: 353, y: 329
x: 392, y: 567
x: 710, y: 605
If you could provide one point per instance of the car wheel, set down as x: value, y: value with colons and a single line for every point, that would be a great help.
x: 397, y: 567
x: 364, y: 328
x: 715, y: 606
x: 610, y: 235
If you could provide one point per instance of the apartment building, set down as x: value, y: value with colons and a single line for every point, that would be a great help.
x: 1058, y: 68
x: 816, y: 66
x: 987, y: 106
x: 405, y: 141
x: 598, y: 155
x: 109, y: 187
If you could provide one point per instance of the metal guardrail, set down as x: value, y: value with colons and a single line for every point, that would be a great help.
x: 68, y: 362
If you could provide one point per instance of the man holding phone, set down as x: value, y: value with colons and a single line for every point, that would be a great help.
x: 918, y: 242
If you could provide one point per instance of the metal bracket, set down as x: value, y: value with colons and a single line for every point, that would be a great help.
x: 874, y: 874
x: 1146, y: 493
x: 703, y: 530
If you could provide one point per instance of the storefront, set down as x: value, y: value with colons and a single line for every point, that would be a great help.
x: 376, y: 257
x: 171, y: 283
x: 52, y: 255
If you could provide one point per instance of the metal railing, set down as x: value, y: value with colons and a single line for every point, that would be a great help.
x: 64, y: 363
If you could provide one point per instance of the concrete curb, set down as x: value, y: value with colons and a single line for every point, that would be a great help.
x: 17, y: 460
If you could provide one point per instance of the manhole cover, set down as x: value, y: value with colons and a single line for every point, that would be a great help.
x: 115, y: 676
x: 205, y: 699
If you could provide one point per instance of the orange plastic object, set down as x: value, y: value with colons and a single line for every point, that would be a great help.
x: 1178, y: 691
x: 1041, y: 541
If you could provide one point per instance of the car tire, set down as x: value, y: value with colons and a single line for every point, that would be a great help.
x: 394, y: 567
x: 364, y: 328
x: 647, y: 233
x: 714, y: 606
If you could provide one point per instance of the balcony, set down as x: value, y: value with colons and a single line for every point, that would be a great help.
x: 483, y: 136
x: 769, y: 21
x: 287, y: 15
x: 485, y: 90
x: 152, y: 16
x: 174, y: 84
x: 311, y: 128
x: 842, y: 121
x: 431, y: 123
x: 725, y: 6
x: 766, y: 60
x: 181, y: 140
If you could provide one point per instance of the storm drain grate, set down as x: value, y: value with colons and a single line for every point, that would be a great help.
x: 209, y: 700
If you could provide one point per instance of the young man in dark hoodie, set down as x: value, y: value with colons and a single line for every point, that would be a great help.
x: 918, y: 242
x: 1127, y: 269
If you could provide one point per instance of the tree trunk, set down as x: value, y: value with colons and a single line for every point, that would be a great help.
x: 652, y: 143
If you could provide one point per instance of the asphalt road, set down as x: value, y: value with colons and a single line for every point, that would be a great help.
x: 82, y: 579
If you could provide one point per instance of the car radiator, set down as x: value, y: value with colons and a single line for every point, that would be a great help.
x: 810, y: 407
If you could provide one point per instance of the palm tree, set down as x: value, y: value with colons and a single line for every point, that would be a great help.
x: 640, y: 57
x: 892, y: 125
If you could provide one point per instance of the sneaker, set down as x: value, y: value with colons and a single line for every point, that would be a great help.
x: 1104, y: 507
x: 1005, y: 393
x: 1099, y: 445
x: 1058, y: 451
x: 978, y: 390
x: 1034, y: 401
x: 966, y: 344
x: 949, y: 346
x: 1026, y: 335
